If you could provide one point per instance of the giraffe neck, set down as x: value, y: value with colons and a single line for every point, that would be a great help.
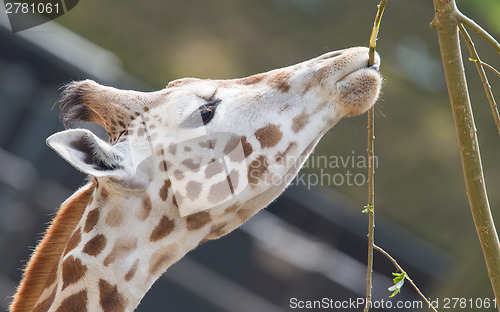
x: 120, y: 246
x: 125, y: 239
x: 39, y: 272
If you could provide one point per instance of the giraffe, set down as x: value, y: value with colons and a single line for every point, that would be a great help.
x: 183, y: 165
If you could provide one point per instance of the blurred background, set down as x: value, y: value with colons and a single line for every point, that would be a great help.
x: 311, y: 242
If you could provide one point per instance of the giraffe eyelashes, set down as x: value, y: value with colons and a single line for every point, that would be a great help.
x: 203, y: 115
x: 207, y: 111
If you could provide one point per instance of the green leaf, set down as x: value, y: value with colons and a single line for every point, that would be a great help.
x: 399, y: 281
x: 472, y: 59
x: 368, y: 208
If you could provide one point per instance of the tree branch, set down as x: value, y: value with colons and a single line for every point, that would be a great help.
x: 490, y: 67
x: 388, y: 256
x: 482, y: 74
x: 478, y: 29
x: 446, y: 21
x: 371, y: 167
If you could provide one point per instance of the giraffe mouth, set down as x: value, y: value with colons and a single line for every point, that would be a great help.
x: 359, y: 89
x: 363, y: 66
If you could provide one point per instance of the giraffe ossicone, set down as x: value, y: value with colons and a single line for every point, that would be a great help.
x: 183, y: 165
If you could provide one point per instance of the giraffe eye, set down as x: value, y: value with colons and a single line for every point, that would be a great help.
x: 207, y: 111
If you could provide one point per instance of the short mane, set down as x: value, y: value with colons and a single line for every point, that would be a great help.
x: 50, y: 249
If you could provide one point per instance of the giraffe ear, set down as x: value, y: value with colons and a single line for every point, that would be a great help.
x: 88, y: 153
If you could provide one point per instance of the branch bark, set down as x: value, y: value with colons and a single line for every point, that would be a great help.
x: 371, y: 165
x: 388, y: 256
x: 447, y: 18
x: 478, y: 29
x: 482, y: 75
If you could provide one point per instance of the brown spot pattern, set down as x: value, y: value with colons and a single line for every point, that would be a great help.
x: 163, y: 229
x: 216, y: 231
x: 75, y: 302
x: 252, y: 79
x: 280, y: 81
x: 219, y: 191
x: 193, y: 189
x: 73, y: 241
x: 91, y: 221
x: 257, y: 169
x: 131, y: 272
x: 164, y: 190
x: 247, y: 147
x: 231, y: 188
x: 208, y: 144
x: 300, y: 122
x: 109, y: 297
x: 232, y: 179
x: 192, y: 164
x: 315, y: 80
x: 104, y: 194
x: 213, y: 168
x: 234, y: 150
x: 245, y: 214
x: 114, y: 217
x: 269, y: 135
x: 172, y: 148
x: 143, y: 212
x: 163, y: 166
x: 197, y: 220
x: 94, y: 246
x: 178, y: 199
x: 122, y: 247
x: 232, y: 208
x: 159, y: 149
x: 162, y: 258
x: 231, y: 144
x: 179, y: 175
x: 72, y: 271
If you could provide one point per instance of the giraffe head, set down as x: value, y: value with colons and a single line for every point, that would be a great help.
x: 183, y: 165
x: 212, y: 143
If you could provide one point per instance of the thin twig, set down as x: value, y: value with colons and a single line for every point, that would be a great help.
x: 375, y: 29
x: 482, y: 74
x: 371, y: 167
x: 388, y: 256
x: 478, y: 29
x: 490, y: 67
x: 370, y: 210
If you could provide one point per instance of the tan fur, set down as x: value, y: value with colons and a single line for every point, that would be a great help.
x: 49, y: 250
